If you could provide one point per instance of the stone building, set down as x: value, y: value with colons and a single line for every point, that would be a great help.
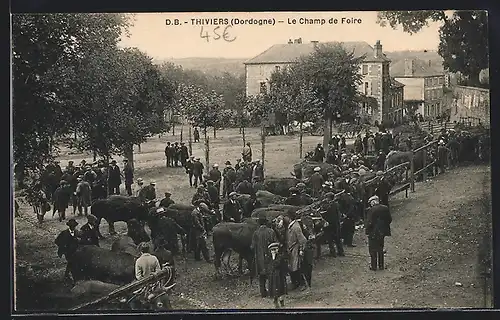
x: 424, y: 82
x: 376, y: 81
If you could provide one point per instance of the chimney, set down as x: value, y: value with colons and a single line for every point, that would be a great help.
x: 377, y: 49
x: 290, y: 41
x: 409, y: 67
x: 299, y: 40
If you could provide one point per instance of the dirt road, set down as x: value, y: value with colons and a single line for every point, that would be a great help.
x: 437, y: 236
x: 437, y: 240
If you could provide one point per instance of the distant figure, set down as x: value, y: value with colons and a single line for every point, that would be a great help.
x: 196, y: 135
x: 247, y: 153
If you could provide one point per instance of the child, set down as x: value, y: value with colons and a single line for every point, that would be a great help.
x: 277, y: 277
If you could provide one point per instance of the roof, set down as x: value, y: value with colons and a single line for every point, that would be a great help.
x: 396, y: 83
x: 421, y: 69
x: 286, y: 53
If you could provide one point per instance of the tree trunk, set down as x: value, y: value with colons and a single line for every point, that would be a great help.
x: 215, y: 132
x: 128, y: 152
x: 242, y: 130
x: 301, y: 134
x: 263, y: 143
x: 207, y: 149
x: 190, y: 141
x: 327, y: 131
x: 182, y: 131
x: 139, y: 147
x: 173, y: 129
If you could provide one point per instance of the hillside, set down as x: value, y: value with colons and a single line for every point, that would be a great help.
x: 212, y: 66
x: 236, y: 67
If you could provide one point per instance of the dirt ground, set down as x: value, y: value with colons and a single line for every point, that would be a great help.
x: 440, y: 245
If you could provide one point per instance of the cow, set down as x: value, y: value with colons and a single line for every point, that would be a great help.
x: 284, y: 208
x: 266, y: 198
x: 247, y: 204
x: 305, y: 169
x: 280, y: 186
x: 119, y: 208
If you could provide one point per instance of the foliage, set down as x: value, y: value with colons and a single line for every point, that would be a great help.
x: 200, y: 107
x: 463, y: 37
x: 258, y: 108
x: 44, y: 48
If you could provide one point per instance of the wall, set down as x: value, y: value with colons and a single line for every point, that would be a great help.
x: 414, y: 88
x: 257, y: 73
x: 433, y: 96
x: 470, y: 102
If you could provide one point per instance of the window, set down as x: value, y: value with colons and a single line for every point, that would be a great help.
x: 440, y: 80
x: 277, y: 68
x: 364, y: 68
x: 263, y: 87
x: 366, y: 87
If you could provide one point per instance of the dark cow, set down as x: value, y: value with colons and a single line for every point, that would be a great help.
x: 280, y: 186
x: 247, y: 204
x: 266, y: 198
x: 305, y: 169
x: 119, y: 208
x: 283, y: 208
x: 236, y: 236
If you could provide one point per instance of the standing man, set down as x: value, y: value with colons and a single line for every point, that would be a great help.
x: 196, y: 135
x: 377, y: 228
x: 167, y: 201
x: 128, y: 173
x: 332, y: 231
x: 184, y: 154
x: 146, y: 264
x: 189, y: 170
x: 89, y: 234
x: 114, y: 178
x: 197, y: 171
x: 67, y: 243
x: 215, y: 175
x: 316, y: 182
x: 319, y: 153
x: 168, y: 153
x: 229, y: 175
x: 199, y: 232
x: 140, y: 185
x: 232, y: 212
x: 442, y: 155
x: 247, y: 153
x: 61, y: 198
x: 383, y: 189
x: 83, y: 196
x: 261, y: 240
x: 257, y: 171
x: 295, y: 245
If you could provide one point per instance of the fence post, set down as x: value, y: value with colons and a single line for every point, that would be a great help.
x: 406, y: 191
x: 412, y: 170
x: 424, y: 161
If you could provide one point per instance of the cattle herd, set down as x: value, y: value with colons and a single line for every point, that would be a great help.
x: 351, y: 174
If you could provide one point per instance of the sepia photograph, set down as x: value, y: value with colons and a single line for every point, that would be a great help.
x: 250, y: 160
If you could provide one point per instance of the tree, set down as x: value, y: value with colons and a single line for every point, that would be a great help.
x: 45, y: 46
x: 333, y: 75
x: 463, y: 37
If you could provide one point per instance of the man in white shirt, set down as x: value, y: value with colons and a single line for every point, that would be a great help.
x: 147, y: 263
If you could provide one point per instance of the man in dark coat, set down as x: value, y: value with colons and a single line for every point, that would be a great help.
x: 114, y: 178
x: 177, y: 154
x: 199, y: 232
x: 196, y: 135
x: 247, y: 153
x: 358, y: 145
x: 442, y: 156
x: 216, y: 176
x: 294, y: 198
x: 197, y: 171
x: 347, y: 207
x: 257, y: 171
x: 232, y: 210
x: 83, y: 194
x: 383, y: 189
x: 200, y: 195
x: 67, y: 243
x: 128, y: 173
x: 61, y: 198
x: 257, y: 185
x: 261, y: 240
x: 167, y: 201
x: 332, y: 231
x: 168, y: 154
x: 213, y: 195
x: 164, y: 231
x: 377, y: 228
x: 229, y: 175
x: 237, y: 165
x: 148, y: 193
x: 319, y: 153
x: 189, y: 170
x: 380, y: 161
x: 183, y: 154
x: 89, y: 235
x: 244, y: 187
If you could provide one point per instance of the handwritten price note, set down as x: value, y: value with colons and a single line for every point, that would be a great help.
x: 217, y: 33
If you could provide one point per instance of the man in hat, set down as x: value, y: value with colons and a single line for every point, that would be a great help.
x: 232, y: 210
x: 213, y: 196
x: 377, y: 227
x: 67, y: 243
x: 189, y: 169
x: 294, y: 197
x: 197, y: 171
x: 89, y: 234
x: 177, y: 154
x: 169, y: 151
x: 319, y: 153
x: 332, y: 230
x: 383, y: 189
x: 199, y: 232
x: 146, y: 264
x: 278, y: 271
x: 261, y: 240
x: 84, y: 196
x: 114, y: 178
x: 149, y: 192
x: 229, y: 175
x: 442, y: 156
x: 61, y: 198
x: 183, y: 154
x: 237, y: 165
x: 295, y: 247
x: 257, y: 171
x: 247, y: 153
x: 201, y: 194
x: 167, y: 201
x: 316, y: 181
x: 380, y: 161
x: 140, y: 186
x: 215, y: 175
x: 70, y: 168
x: 257, y: 185
x: 128, y: 173
x: 196, y: 135
x: 244, y: 187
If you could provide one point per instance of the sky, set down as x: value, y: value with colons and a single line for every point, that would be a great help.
x: 151, y: 34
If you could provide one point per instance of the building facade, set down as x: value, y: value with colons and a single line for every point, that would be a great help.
x: 423, y: 83
x: 376, y: 82
x: 470, y: 104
